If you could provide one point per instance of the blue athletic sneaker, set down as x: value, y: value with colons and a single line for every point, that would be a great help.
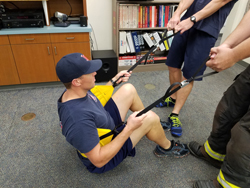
x: 166, y: 125
x: 176, y: 129
x: 178, y: 150
x: 168, y: 103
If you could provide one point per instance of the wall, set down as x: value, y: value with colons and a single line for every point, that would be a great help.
x: 100, y: 18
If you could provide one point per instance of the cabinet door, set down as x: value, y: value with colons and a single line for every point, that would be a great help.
x: 8, y: 71
x: 62, y: 49
x: 35, y: 63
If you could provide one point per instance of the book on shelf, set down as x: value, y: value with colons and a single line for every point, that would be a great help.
x: 136, y: 41
x: 126, y: 60
x: 122, y: 42
x: 130, y: 42
x: 128, y: 15
x: 157, y: 39
x: 141, y: 16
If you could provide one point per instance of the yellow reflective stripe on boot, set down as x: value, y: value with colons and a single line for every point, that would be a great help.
x: 224, y: 183
x: 213, y: 154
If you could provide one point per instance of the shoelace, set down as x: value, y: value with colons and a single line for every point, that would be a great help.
x: 169, y: 100
x: 176, y: 121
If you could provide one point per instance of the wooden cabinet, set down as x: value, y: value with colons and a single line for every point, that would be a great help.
x: 62, y: 49
x: 66, y: 43
x: 36, y: 55
x: 35, y: 63
x: 8, y: 71
x: 31, y: 58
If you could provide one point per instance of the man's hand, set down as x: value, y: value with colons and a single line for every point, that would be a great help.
x: 175, y: 20
x: 184, y: 26
x: 123, y: 76
x: 221, y: 58
x: 134, y: 122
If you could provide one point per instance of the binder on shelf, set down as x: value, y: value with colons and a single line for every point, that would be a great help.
x: 128, y: 48
x: 147, y: 39
x: 151, y: 36
x: 141, y: 41
x: 170, y: 39
x: 165, y: 41
x: 135, y: 41
x: 122, y: 42
x: 130, y: 42
x: 157, y: 39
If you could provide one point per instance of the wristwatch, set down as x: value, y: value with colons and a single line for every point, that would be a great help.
x: 193, y: 19
x: 113, y: 83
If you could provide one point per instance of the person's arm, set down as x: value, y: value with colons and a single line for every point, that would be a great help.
x: 207, y: 11
x: 124, y: 77
x: 99, y: 156
x: 183, y: 5
x: 233, y: 49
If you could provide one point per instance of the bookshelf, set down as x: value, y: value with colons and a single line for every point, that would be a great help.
x: 117, y: 28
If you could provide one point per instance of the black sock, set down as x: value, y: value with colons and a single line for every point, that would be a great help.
x: 171, y: 146
x: 173, y: 99
x: 173, y: 114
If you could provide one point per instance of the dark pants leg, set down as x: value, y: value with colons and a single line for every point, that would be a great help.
x: 232, y: 107
x: 236, y: 166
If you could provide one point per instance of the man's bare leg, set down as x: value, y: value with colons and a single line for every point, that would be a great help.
x: 182, y: 96
x: 175, y: 75
x: 127, y: 98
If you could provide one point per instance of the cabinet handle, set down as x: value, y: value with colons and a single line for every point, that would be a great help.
x: 70, y: 37
x: 30, y: 39
x: 55, y: 50
x: 48, y: 51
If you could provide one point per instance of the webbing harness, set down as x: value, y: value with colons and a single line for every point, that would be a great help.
x: 169, y: 91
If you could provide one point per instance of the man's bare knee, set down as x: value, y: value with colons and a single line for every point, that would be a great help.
x: 152, y: 118
x: 173, y: 69
x: 128, y: 89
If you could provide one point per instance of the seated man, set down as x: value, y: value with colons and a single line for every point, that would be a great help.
x: 81, y: 114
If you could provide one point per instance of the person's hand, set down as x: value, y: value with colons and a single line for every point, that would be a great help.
x: 134, y: 122
x: 123, y: 76
x: 221, y: 58
x: 173, y: 22
x: 184, y: 25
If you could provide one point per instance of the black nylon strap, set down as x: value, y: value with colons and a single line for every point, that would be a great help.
x: 146, y: 55
x: 167, y: 94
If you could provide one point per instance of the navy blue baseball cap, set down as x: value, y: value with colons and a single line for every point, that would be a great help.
x: 74, y: 65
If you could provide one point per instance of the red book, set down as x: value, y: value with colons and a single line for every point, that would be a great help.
x: 150, y: 16
x: 156, y: 10
x: 146, y: 17
x: 166, y: 15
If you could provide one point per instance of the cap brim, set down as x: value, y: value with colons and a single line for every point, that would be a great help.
x: 94, y: 66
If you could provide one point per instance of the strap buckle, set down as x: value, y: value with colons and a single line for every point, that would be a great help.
x: 184, y: 83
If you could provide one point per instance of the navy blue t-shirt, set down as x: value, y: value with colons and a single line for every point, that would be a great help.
x: 80, y: 119
x: 212, y: 24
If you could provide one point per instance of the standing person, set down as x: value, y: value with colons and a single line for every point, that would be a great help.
x: 228, y: 146
x: 199, y: 30
x: 82, y: 117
